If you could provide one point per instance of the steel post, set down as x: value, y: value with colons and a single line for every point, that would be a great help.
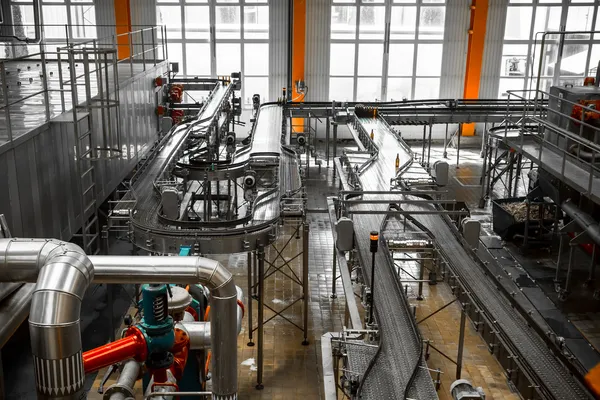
x: 327, y: 127
x: 250, y: 301
x: 305, y: 297
x: 461, y: 341
x: 261, y: 298
x: 334, y: 278
x: 421, y: 275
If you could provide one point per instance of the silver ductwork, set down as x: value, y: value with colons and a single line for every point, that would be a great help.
x: 586, y: 221
x: 124, y: 387
x: 199, y: 332
x: 64, y: 274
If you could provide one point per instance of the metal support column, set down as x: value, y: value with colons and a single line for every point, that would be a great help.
x: 335, y: 129
x: 261, y: 298
x: 327, y: 127
x: 250, y: 329
x: 461, y: 340
x: 334, y: 277
x: 421, y: 275
x: 305, y: 297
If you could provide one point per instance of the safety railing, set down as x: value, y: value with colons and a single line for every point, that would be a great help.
x: 573, y: 137
x: 69, y: 70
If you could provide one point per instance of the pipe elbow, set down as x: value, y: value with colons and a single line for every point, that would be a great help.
x: 220, y: 280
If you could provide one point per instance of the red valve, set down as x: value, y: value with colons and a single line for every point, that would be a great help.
x: 177, y: 116
x: 158, y: 81
x: 131, y: 346
x: 176, y: 93
x: 160, y: 111
x: 587, y: 114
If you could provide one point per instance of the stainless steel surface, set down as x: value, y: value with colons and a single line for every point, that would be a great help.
x: 64, y: 273
x: 124, y: 387
x: 586, y: 222
x: 13, y: 311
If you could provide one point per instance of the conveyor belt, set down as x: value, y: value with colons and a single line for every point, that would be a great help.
x: 400, y: 345
x: 558, y: 382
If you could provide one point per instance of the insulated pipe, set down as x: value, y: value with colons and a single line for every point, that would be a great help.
x: 123, y: 388
x: 63, y: 273
x: 21, y: 259
x: 199, y: 332
x: 13, y: 311
x: 586, y: 221
x: 132, y: 346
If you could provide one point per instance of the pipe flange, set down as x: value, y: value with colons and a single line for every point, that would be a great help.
x: 118, y: 388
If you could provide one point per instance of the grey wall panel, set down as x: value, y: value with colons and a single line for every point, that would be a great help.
x: 39, y: 192
x: 316, y: 67
x: 456, y: 41
x: 492, y: 54
x: 105, y: 15
x: 278, y: 47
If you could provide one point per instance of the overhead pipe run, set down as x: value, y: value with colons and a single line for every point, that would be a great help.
x: 586, y: 221
x: 63, y: 273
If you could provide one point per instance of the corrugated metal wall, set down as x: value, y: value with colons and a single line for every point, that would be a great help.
x: 492, y: 54
x: 456, y: 41
x: 278, y: 47
x: 40, y: 175
x: 316, y: 64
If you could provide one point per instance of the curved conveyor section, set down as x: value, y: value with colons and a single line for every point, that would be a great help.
x: 399, y: 345
x: 151, y: 232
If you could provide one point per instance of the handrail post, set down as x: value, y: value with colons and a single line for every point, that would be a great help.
x: 142, y: 33
x: 130, y: 40
x: 154, y: 32
x: 45, y: 84
x: 6, y: 106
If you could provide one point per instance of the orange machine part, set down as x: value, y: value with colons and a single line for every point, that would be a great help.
x: 587, y: 114
x: 298, y: 52
x: 479, y: 12
x: 592, y: 380
x: 131, y: 346
x: 180, y: 351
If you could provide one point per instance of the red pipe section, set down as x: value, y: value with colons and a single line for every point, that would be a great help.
x: 131, y: 346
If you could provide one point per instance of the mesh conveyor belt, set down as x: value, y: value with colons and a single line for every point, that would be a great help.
x: 549, y: 370
x: 400, y: 345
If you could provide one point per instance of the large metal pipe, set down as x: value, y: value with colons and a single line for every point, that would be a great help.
x: 199, y: 332
x: 586, y: 221
x: 13, y: 311
x: 124, y: 387
x: 64, y: 273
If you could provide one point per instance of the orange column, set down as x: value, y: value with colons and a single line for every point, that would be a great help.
x: 298, y: 52
x: 123, y: 26
x: 479, y: 11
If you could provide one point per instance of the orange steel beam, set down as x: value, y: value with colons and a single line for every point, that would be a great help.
x: 123, y: 26
x: 298, y: 53
x: 479, y: 12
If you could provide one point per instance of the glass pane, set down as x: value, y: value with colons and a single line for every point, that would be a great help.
x: 228, y: 58
x: 399, y: 89
x: 427, y: 88
x: 429, y: 60
x: 176, y: 55
x: 548, y: 59
x: 228, y: 23
x: 54, y: 15
x: 170, y: 16
x: 83, y: 21
x: 256, y: 22
x: 254, y: 86
x: 341, y: 59
x: 196, y: 1
x: 23, y: 16
x: 510, y: 84
x: 197, y: 22
x: 405, y: 1
x: 197, y: 59
x: 256, y: 59
x: 372, y: 22
x: 368, y: 89
x: 431, y: 22
x: 545, y: 85
x: 518, y: 23
x: 546, y: 19
x: 573, y: 61
x: 341, y: 89
x: 401, y: 59
x: 343, y: 22
x: 404, y: 22
x: 167, y: 1
x: 370, y: 59
x: 514, y: 60
x: 579, y: 19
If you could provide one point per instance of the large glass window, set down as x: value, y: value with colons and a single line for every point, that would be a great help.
x: 62, y: 19
x: 218, y: 37
x: 523, y: 56
x: 369, y: 62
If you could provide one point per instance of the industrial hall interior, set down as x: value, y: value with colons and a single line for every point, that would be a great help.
x: 299, y: 199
